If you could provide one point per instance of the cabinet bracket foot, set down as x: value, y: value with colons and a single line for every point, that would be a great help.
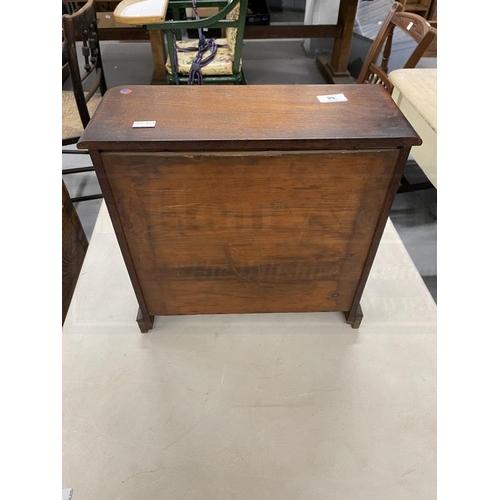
x: 145, y: 322
x: 354, y: 319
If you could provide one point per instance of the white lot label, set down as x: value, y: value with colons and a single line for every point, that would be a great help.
x: 146, y: 124
x: 332, y: 98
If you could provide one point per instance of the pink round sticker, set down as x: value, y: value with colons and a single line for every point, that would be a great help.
x: 125, y: 91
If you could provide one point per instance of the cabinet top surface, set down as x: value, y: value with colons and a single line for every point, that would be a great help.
x: 247, y: 117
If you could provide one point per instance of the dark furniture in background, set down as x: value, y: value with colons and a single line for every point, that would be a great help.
x: 333, y: 68
x: 425, y: 8
x: 239, y: 207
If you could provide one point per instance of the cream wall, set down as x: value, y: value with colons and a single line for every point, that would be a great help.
x: 320, y: 12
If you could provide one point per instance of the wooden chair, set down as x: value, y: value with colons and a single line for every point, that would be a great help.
x: 87, y: 78
x: 375, y: 67
x: 205, y: 60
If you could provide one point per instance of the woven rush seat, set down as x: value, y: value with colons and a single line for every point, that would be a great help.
x: 222, y: 64
x: 71, y: 121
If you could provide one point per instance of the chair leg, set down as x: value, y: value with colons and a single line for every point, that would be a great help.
x: 89, y: 197
x: 78, y: 170
x: 75, y: 152
x: 405, y: 186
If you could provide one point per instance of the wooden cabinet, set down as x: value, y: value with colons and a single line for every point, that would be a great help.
x: 424, y: 8
x: 248, y: 199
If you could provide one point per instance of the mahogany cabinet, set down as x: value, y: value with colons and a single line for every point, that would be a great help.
x: 248, y: 199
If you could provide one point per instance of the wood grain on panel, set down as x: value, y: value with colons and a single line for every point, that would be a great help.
x: 213, y: 233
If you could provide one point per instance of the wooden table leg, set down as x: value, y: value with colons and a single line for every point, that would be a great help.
x: 334, y: 68
x: 159, y: 52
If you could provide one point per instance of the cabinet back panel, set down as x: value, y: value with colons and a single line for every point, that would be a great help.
x: 249, y: 232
